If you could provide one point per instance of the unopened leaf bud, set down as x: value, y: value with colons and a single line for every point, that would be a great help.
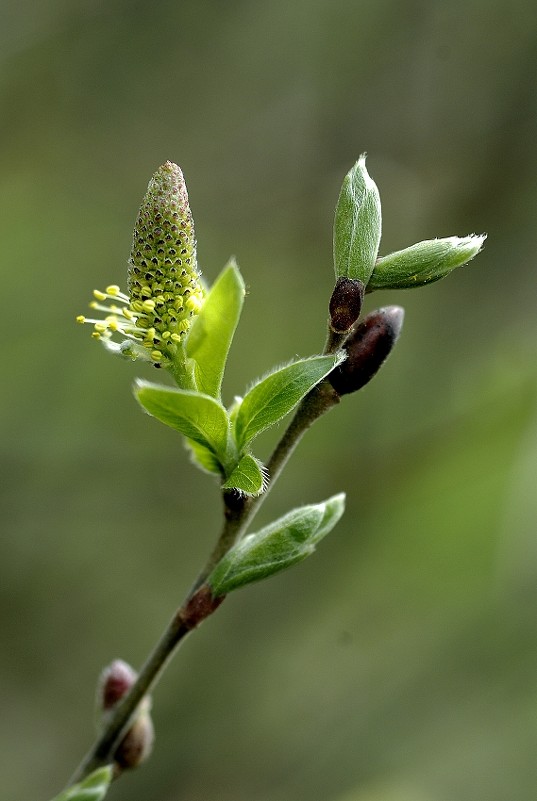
x: 367, y: 348
x: 424, y: 262
x: 346, y: 303
x: 357, y: 225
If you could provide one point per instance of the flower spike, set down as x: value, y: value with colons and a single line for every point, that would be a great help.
x: 163, y: 281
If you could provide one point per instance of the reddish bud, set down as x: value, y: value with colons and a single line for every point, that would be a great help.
x: 115, y: 682
x: 367, y: 348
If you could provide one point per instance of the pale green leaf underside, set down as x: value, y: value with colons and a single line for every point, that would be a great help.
x: 274, y: 396
x: 247, y: 477
x: 212, y: 330
x: 277, y: 546
x: 94, y: 788
x: 198, y: 417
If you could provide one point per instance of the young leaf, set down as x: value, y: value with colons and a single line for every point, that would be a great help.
x: 93, y: 788
x: 199, y: 417
x: 247, y: 477
x: 277, y: 546
x: 357, y: 225
x: 210, y: 337
x: 273, y: 397
x: 424, y: 262
x: 203, y: 458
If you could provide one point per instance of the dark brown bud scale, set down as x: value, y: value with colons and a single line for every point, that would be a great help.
x: 201, y: 605
x: 346, y: 303
x: 367, y: 348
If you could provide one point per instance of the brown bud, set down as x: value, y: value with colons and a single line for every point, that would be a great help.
x: 367, y: 348
x: 137, y: 744
x: 346, y: 303
x: 115, y: 682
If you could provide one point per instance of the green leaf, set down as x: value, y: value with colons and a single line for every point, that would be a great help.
x: 277, y: 546
x: 274, y: 396
x: 204, y: 458
x: 212, y: 330
x: 247, y: 477
x: 357, y: 225
x: 93, y: 788
x: 424, y: 262
x: 199, y: 417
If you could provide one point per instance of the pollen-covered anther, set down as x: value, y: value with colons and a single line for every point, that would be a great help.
x: 112, y: 323
x: 114, y: 291
x: 111, y: 292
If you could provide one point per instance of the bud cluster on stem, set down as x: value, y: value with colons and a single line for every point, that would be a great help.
x: 135, y: 746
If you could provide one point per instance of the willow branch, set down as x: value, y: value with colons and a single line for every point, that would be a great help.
x: 239, y: 511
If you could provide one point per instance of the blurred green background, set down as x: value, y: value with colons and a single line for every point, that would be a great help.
x: 400, y: 663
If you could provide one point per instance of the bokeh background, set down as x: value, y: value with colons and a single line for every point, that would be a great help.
x: 400, y: 663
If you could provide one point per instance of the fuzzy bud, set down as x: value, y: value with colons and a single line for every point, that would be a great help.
x: 115, y: 682
x: 137, y: 744
x: 367, y: 348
